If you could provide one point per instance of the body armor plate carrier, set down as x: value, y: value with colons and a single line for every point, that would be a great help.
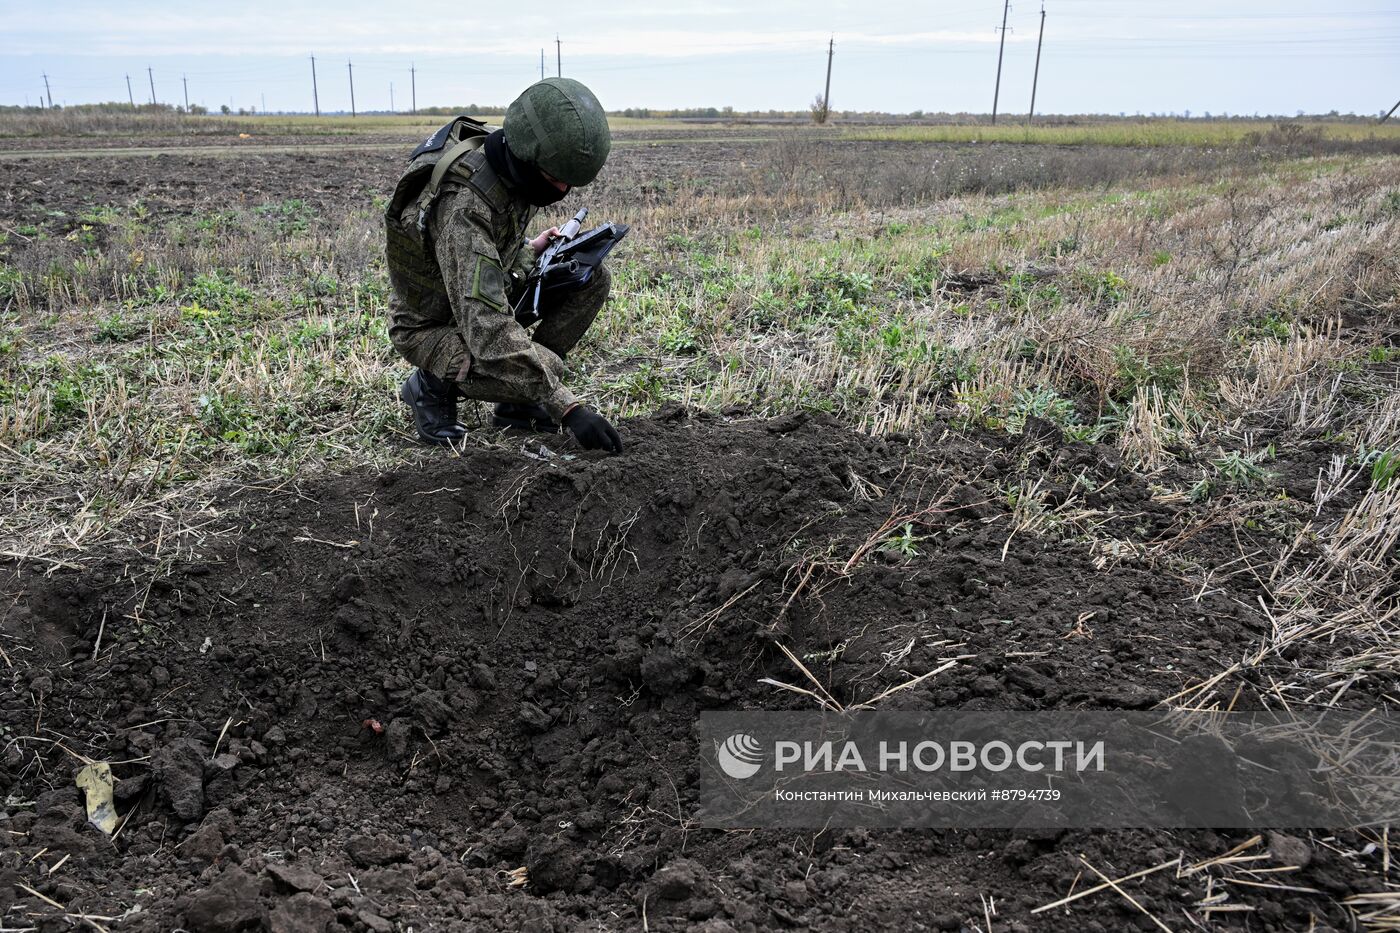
x: 408, y: 248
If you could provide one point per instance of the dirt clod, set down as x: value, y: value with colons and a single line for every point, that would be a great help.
x: 179, y: 772
x: 373, y: 922
x: 229, y: 905
x: 294, y: 878
x: 1289, y: 850
x: 367, y: 851
x: 302, y: 913
x: 678, y: 879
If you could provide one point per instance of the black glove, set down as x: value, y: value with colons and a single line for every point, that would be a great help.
x: 592, y: 430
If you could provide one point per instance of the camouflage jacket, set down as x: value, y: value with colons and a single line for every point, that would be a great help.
x: 477, y: 237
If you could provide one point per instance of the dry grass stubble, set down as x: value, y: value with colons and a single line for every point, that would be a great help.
x: 149, y: 361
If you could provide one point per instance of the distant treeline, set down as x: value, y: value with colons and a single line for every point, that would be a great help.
x: 917, y: 116
x: 945, y: 117
x: 730, y: 114
x: 112, y: 107
x: 453, y: 111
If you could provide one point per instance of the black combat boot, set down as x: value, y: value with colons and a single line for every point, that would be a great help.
x: 531, y: 417
x: 434, y: 404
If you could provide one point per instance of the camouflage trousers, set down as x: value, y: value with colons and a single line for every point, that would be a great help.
x: 442, y: 352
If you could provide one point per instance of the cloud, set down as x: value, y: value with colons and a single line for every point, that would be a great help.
x: 616, y: 29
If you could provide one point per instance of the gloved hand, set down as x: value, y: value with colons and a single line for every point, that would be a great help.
x: 592, y: 430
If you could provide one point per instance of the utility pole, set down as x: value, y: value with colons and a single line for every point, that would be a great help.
x: 1036, y: 79
x: 996, y: 95
x: 315, y: 95
x: 541, y: 63
x: 413, y: 87
x: 185, y: 80
x: 48, y: 92
x: 129, y: 96
x: 391, y: 97
x: 826, y: 95
x: 1390, y: 111
x: 152, y: 78
x: 558, y: 56
x: 351, y: 68
x: 262, y: 98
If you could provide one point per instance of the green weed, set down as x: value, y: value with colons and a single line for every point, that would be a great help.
x: 117, y: 328
x: 291, y: 216
x: 1040, y: 402
x: 679, y: 338
x: 1104, y: 287
x: 1385, y: 468
x: 903, y: 542
x: 1133, y: 371
x: 217, y: 290
x: 1271, y: 325
x: 11, y: 281
x: 1023, y: 290
x: 1235, y: 469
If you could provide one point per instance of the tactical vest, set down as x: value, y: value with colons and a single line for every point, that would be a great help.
x: 453, y: 149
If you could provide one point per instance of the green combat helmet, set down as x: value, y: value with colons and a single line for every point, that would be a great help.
x: 558, y: 125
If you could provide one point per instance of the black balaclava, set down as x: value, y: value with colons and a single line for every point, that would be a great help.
x: 522, y: 176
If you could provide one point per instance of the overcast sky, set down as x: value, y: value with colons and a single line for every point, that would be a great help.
x: 1109, y: 56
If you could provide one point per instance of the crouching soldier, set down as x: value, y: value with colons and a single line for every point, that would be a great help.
x: 458, y: 258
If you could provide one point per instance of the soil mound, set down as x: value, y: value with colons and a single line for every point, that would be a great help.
x: 463, y: 696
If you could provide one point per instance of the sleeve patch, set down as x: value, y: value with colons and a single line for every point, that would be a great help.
x: 489, y: 283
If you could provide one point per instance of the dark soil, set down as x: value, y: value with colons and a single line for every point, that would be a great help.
x: 51, y: 193
x: 377, y: 702
x: 96, y: 144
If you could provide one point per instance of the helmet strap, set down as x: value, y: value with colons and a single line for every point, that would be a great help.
x: 524, y: 178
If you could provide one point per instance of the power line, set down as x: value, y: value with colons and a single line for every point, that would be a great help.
x: 1162, y: 45
x: 1001, y: 51
x: 315, y: 94
x: 826, y: 95
x: 1035, y: 80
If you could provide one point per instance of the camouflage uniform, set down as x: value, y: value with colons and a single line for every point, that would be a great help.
x: 458, y: 326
